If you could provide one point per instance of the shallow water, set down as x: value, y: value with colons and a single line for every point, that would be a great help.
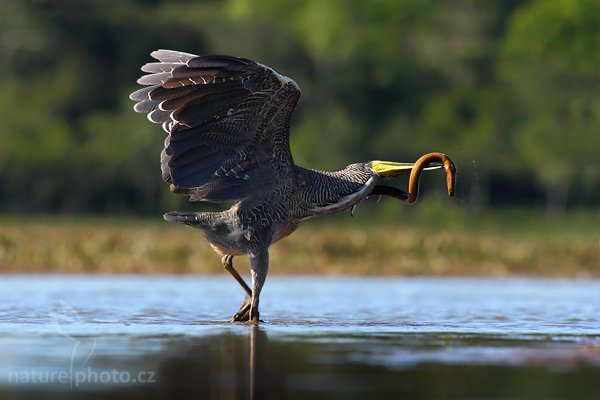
x: 152, y: 337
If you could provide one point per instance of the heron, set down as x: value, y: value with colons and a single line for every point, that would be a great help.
x: 227, y: 121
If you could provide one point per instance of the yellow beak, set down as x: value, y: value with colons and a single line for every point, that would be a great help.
x: 388, y: 169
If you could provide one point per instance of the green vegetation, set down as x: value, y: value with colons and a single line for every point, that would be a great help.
x: 508, y: 88
x: 492, y: 244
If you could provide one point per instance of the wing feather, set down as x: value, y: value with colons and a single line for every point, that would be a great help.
x: 168, y: 56
x: 141, y: 94
x: 145, y: 106
x: 155, y: 79
x: 227, y: 120
x: 158, y: 67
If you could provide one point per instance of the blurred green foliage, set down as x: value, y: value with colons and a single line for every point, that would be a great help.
x: 508, y: 88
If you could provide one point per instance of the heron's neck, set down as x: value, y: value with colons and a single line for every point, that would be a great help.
x: 329, y: 192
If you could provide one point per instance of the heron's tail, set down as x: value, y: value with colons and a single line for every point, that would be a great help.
x: 187, y: 218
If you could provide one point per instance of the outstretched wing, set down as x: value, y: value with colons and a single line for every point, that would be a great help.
x: 227, y: 120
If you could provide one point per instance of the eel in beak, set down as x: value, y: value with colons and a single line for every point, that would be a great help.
x: 389, y: 169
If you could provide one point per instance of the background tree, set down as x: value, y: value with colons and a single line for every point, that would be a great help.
x: 509, y: 89
x: 551, y: 59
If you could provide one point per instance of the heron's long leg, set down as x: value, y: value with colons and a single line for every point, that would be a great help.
x: 227, y: 261
x: 243, y: 314
x: 259, y: 266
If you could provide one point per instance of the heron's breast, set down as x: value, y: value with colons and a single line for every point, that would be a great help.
x: 286, y: 230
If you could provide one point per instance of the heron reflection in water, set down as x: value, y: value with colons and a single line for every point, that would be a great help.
x: 228, y: 121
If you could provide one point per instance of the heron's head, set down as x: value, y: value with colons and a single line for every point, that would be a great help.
x: 391, y: 169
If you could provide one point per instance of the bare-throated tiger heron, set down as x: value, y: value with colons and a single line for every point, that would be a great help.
x: 228, y: 121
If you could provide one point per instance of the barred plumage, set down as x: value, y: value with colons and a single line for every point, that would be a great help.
x: 228, y: 122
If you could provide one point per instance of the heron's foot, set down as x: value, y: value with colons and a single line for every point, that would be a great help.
x: 243, y: 314
x: 254, y: 316
x: 246, y: 313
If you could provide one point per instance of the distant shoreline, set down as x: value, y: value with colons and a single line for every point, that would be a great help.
x: 496, y: 246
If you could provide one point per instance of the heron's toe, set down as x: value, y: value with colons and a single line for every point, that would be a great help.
x: 243, y: 314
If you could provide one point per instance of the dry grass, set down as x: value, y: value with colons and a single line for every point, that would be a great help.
x: 67, y: 245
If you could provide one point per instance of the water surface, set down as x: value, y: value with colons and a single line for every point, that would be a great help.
x: 152, y: 337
